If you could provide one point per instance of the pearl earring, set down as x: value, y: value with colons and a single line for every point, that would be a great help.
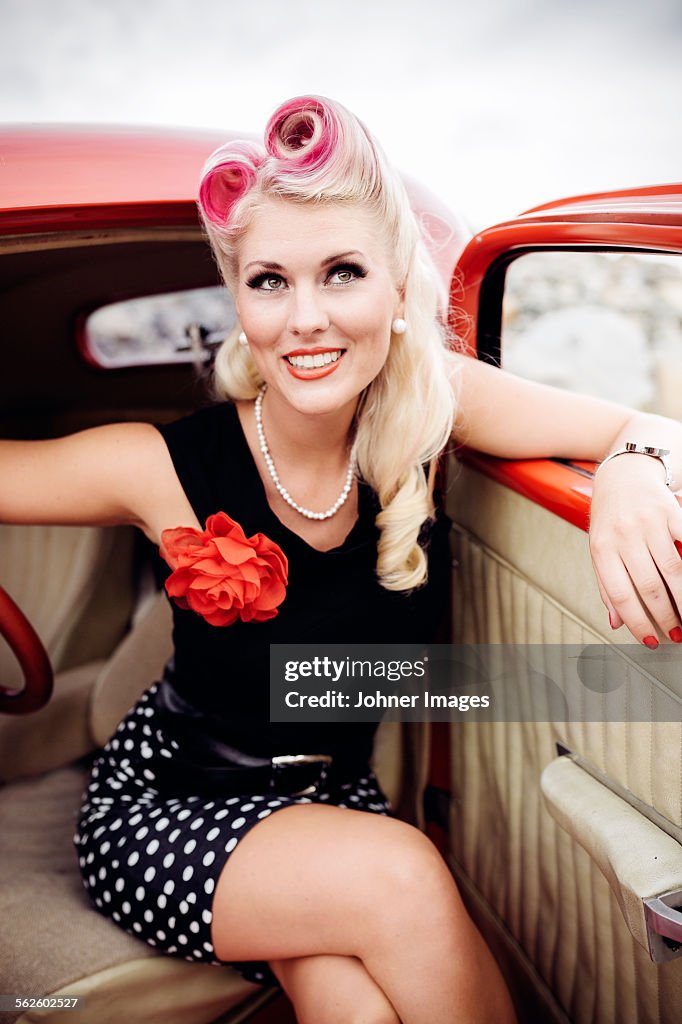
x: 399, y: 326
x: 243, y: 340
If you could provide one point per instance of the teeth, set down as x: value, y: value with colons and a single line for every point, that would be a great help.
x: 311, y: 362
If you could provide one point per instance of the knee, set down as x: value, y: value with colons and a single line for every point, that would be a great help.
x: 412, y: 884
x: 414, y: 866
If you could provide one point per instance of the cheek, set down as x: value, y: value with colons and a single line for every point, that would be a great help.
x: 369, y: 315
x: 377, y: 330
x: 260, y: 323
x: 373, y: 344
x: 380, y: 351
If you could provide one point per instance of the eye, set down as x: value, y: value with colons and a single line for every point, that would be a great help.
x: 266, y: 283
x: 346, y: 273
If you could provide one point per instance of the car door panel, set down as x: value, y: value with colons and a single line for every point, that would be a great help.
x: 551, y: 898
x: 558, y: 830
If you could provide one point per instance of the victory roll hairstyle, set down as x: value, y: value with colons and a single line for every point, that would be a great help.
x: 317, y: 153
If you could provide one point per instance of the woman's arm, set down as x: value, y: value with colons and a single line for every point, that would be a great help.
x: 115, y: 474
x: 635, y: 518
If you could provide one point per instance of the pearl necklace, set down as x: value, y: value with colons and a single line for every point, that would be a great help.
x: 258, y: 409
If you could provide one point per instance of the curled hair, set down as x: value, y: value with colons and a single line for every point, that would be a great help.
x: 317, y: 152
x: 229, y: 172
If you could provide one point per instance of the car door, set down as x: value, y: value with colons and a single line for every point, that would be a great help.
x: 562, y: 822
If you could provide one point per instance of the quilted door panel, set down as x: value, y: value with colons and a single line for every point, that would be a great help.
x: 524, y: 576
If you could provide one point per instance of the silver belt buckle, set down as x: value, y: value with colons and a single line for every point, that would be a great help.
x: 283, y: 760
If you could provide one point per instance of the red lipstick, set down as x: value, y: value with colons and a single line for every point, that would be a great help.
x: 312, y: 372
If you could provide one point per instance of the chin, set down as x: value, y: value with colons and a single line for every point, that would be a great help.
x: 320, y: 401
x: 319, y: 396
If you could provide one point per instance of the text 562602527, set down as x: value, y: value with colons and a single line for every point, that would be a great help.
x: 23, y: 1002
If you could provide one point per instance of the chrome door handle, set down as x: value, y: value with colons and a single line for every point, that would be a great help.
x: 663, y: 916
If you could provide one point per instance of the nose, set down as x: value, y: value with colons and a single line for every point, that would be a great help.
x: 307, y: 312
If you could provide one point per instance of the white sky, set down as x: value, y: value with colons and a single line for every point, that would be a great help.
x: 496, y: 105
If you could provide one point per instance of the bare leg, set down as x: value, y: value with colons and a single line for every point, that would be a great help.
x: 333, y: 990
x: 313, y: 879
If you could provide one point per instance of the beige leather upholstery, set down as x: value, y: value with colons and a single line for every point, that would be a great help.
x: 55, y: 735
x: 525, y: 576
x: 159, y: 989
x: 137, y: 662
x: 73, y: 583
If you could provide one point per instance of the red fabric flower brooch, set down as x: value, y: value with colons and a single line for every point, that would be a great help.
x: 223, y: 575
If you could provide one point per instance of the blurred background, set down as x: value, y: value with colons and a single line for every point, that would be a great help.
x: 498, y: 105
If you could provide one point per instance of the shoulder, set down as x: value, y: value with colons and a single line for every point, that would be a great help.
x: 197, y: 443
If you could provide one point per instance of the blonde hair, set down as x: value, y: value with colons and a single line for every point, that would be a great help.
x: 317, y: 152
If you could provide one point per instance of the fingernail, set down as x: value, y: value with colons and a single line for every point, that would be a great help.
x: 611, y: 622
x: 676, y: 635
x: 651, y: 642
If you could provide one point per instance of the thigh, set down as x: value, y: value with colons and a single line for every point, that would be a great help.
x: 316, y: 879
x: 330, y: 989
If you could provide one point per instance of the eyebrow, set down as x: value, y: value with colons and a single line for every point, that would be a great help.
x: 267, y: 265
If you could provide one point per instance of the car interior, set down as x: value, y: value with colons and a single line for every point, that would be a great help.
x: 562, y: 833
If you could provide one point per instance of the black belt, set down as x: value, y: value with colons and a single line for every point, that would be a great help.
x: 293, y: 775
x: 199, y: 762
x: 287, y: 774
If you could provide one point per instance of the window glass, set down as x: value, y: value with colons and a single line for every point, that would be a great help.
x: 608, y: 324
x: 178, y: 327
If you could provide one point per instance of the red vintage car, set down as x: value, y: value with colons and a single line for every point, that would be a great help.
x: 565, y: 833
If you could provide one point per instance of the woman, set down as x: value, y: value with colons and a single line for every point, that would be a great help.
x: 282, y: 515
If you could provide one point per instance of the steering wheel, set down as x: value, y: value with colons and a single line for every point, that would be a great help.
x: 30, y: 653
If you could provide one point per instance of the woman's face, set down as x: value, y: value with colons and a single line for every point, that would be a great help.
x: 316, y: 299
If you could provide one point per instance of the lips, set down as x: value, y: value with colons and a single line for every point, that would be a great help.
x: 310, y: 364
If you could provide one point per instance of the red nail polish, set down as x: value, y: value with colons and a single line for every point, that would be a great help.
x: 676, y: 635
x: 611, y: 622
x: 651, y: 642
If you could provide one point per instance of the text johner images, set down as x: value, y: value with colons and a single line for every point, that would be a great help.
x: 358, y: 699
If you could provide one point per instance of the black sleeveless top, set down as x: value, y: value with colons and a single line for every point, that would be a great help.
x: 332, y: 596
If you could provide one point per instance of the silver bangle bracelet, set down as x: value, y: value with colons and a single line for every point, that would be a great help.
x: 632, y: 448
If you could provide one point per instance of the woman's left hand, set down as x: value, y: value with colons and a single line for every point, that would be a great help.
x: 635, y: 524
x: 635, y: 521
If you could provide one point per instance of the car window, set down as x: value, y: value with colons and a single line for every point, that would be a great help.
x: 604, y: 323
x: 175, y: 327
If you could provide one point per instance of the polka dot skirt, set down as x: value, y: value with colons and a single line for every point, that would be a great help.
x: 150, y: 861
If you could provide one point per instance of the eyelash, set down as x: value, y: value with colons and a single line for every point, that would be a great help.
x: 259, y: 280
